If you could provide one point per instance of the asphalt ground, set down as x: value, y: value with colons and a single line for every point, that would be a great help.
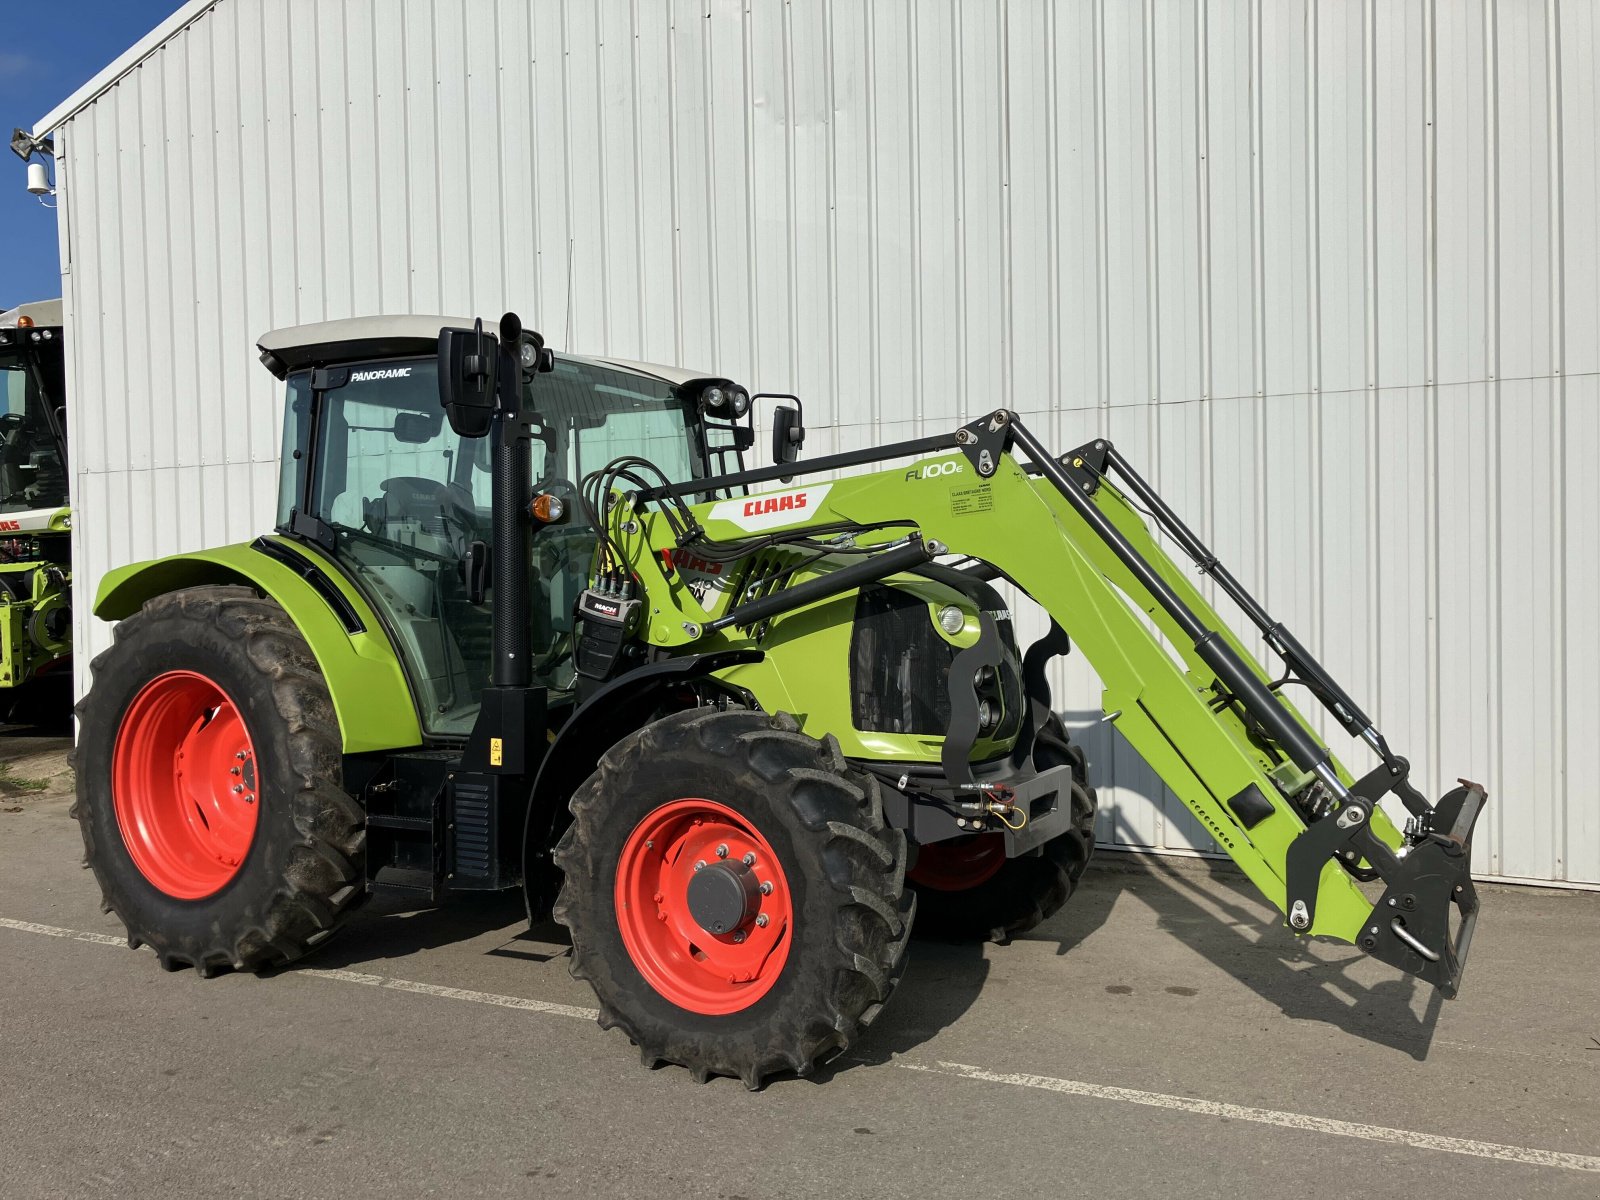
x: 1160, y: 1036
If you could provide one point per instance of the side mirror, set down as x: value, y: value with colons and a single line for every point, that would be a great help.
x: 417, y: 428
x: 468, y: 365
x: 788, y: 434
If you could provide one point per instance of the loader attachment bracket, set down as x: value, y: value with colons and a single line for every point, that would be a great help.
x: 1086, y: 466
x: 1410, y: 924
x: 983, y: 442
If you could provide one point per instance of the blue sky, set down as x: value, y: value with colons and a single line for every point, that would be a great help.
x: 48, y: 51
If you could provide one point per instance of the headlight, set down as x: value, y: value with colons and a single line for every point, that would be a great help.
x: 714, y: 398
x: 741, y: 402
x: 951, y: 619
x: 988, y: 714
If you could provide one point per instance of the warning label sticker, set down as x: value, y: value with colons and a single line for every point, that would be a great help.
x: 976, y: 499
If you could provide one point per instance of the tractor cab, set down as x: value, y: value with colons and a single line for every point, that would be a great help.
x: 375, y: 476
x: 35, y: 520
x: 33, y: 442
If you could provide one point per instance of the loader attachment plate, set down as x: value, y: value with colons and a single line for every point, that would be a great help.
x: 1410, y: 925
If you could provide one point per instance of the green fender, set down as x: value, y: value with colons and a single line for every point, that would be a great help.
x: 370, y: 694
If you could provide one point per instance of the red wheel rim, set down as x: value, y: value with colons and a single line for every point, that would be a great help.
x: 959, y: 864
x: 701, y: 971
x: 184, y: 785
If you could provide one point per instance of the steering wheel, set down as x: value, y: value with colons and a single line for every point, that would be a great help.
x: 411, y: 497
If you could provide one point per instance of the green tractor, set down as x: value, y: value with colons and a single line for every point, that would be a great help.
x: 35, y: 520
x: 530, y: 621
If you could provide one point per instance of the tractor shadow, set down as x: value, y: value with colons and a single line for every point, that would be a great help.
x: 1213, y: 908
x: 1208, y: 905
x: 392, y: 928
x: 943, y: 979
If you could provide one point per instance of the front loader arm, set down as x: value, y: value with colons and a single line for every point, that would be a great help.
x: 1178, y: 683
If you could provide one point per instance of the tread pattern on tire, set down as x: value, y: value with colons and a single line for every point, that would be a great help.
x: 837, y: 809
x: 324, y: 879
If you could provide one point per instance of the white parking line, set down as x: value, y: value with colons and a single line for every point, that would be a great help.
x: 450, y: 993
x: 99, y: 939
x: 1271, y: 1116
x: 1524, y: 1155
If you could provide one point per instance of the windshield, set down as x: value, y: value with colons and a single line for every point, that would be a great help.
x: 32, y: 472
x: 405, y: 497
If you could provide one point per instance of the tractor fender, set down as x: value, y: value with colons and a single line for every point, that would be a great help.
x: 621, y: 707
x: 364, y: 676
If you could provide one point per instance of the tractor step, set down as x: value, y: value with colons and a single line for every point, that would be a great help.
x: 434, y: 828
x: 406, y: 826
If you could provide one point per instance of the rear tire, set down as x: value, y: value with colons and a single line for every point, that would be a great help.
x: 967, y: 891
x: 756, y: 998
x: 208, y: 878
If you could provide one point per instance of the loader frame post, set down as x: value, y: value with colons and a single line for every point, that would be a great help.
x: 507, y: 745
x: 511, y: 480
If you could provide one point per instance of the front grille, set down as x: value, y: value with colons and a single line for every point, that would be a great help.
x: 899, y: 665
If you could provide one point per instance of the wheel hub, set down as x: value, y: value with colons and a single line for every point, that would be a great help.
x: 724, y: 897
x: 184, y: 785
x: 703, y: 906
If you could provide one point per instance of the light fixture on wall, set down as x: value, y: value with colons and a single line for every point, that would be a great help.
x: 25, y: 146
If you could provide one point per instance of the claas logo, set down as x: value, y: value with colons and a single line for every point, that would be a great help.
x: 790, y: 501
x: 689, y: 562
x: 10, y: 526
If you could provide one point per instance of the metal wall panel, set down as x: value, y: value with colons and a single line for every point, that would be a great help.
x: 1329, y: 269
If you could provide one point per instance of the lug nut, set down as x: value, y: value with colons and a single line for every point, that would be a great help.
x: 761, y: 920
x: 700, y: 864
x: 766, y: 888
x: 238, y: 787
x: 722, y: 852
x: 750, y: 860
x: 738, y: 936
x: 233, y: 770
x: 240, y: 755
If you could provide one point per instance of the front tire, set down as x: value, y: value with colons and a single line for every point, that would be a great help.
x: 208, y: 785
x: 969, y: 891
x: 735, y: 898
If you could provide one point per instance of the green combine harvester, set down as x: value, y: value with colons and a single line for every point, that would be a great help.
x: 531, y: 621
x: 35, y: 519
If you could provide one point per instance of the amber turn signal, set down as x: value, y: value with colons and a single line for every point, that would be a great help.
x: 547, y: 508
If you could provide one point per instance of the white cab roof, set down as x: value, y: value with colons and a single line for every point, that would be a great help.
x: 45, y: 314
x: 414, y: 331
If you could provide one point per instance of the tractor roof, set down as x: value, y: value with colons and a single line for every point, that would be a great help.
x: 46, y: 314
x: 301, y: 346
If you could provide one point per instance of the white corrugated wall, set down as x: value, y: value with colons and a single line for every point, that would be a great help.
x: 1329, y: 270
